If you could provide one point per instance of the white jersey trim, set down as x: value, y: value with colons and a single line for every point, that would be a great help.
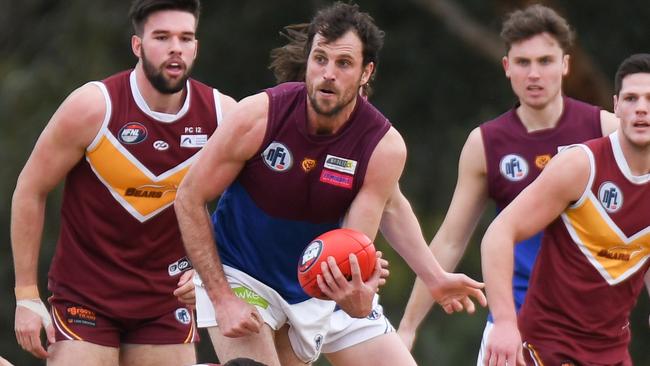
x: 107, y: 115
x: 592, y: 174
x: 158, y: 116
x: 622, y: 163
x: 217, y: 105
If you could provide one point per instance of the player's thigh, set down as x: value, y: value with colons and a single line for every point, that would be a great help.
x: 283, y: 346
x: 157, y: 354
x: 258, y: 346
x: 64, y: 353
x: 384, y: 350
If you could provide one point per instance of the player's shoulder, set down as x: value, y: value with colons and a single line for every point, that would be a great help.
x: 474, y: 140
x: 228, y: 103
x: 84, y: 108
x: 392, y: 142
x: 249, y: 114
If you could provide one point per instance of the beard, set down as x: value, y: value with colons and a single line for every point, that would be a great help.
x: 159, y: 81
x: 345, y: 100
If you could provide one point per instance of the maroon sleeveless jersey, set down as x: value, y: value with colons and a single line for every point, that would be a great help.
x: 590, y: 268
x: 515, y: 157
x: 119, y: 249
x: 298, y: 186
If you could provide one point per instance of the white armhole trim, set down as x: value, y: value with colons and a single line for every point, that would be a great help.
x: 592, y: 174
x: 217, y: 105
x: 107, y: 116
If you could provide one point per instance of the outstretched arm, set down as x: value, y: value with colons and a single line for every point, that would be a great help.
x: 221, y: 160
x: 56, y: 152
x: 451, y: 239
x: 562, y: 182
x: 384, y: 169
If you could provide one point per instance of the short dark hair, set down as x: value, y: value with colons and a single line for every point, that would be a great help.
x: 243, y: 361
x: 523, y: 24
x: 334, y: 21
x: 637, y: 63
x: 141, y: 9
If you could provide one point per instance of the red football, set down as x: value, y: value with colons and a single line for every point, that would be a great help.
x: 338, y: 243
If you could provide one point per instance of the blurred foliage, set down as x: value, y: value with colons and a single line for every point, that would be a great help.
x: 432, y: 86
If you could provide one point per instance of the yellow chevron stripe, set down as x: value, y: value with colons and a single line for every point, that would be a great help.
x: 137, y: 190
x: 599, y: 237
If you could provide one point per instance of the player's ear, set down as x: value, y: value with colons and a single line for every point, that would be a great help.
x: 196, y: 49
x: 367, y: 72
x: 565, y: 64
x: 136, y: 45
x: 506, y: 65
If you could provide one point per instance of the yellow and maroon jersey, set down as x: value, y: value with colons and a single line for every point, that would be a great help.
x: 120, y: 248
x: 591, y: 264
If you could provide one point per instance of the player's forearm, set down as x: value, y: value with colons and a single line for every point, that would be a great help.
x: 419, y: 304
x: 400, y: 227
x: 27, y: 216
x: 497, y: 260
x: 198, y: 239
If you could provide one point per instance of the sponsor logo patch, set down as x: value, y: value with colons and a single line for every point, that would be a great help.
x: 610, y: 196
x: 193, y: 141
x: 160, y: 145
x: 132, y: 133
x: 336, y: 179
x: 513, y: 167
x: 277, y: 157
x: 621, y: 252
x: 308, y: 164
x: 542, y: 160
x: 179, y: 266
x: 150, y: 190
x: 310, y: 255
x: 342, y: 165
x: 183, y: 316
x: 80, y: 315
x: 250, y: 297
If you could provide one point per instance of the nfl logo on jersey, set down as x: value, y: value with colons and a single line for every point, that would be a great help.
x: 277, y: 157
x: 610, y: 196
x: 513, y: 167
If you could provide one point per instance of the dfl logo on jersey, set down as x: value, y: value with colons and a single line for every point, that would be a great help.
x: 132, y: 133
x: 513, y: 167
x: 610, y: 196
x: 277, y: 157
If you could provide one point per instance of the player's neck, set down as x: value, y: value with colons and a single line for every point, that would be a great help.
x: 636, y: 156
x: 157, y: 101
x: 320, y: 124
x: 535, y: 119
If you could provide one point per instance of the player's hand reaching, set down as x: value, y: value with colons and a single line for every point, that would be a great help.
x: 353, y: 295
x: 453, y: 293
x: 237, y: 318
x: 504, y: 346
x: 185, y: 292
x: 31, y: 317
